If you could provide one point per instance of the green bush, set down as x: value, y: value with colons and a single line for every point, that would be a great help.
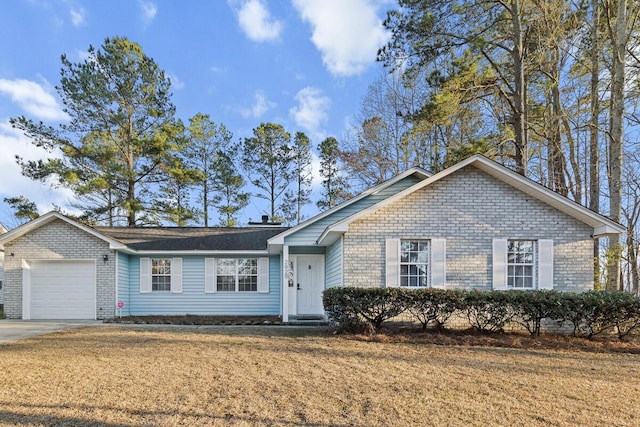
x: 591, y: 313
x: 349, y: 307
x: 531, y: 307
x: 432, y: 306
x: 487, y: 311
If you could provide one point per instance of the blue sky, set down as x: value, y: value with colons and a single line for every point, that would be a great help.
x: 305, y: 64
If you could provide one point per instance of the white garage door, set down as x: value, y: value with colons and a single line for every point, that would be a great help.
x: 63, y: 290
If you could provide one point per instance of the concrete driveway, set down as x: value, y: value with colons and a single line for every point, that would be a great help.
x: 13, y: 330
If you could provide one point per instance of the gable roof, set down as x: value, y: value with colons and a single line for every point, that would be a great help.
x: 162, y: 239
x: 50, y: 217
x: 419, y: 172
x: 602, y: 225
x: 192, y: 238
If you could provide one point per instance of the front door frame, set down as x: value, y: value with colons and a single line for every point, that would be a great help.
x: 320, y: 259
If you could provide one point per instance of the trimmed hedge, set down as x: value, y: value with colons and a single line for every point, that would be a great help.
x: 590, y: 313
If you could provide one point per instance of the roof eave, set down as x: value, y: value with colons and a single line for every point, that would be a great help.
x: 52, y: 216
x: 279, y: 239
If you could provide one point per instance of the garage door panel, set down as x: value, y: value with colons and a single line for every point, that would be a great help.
x: 63, y: 290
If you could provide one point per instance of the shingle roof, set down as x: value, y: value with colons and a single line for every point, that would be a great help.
x: 192, y: 238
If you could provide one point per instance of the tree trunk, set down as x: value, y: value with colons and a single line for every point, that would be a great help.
x: 519, y: 96
x: 619, y: 45
x: 557, y: 163
x: 594, y: 129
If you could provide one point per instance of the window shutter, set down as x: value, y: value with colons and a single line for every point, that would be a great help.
x: 263, y: 275
x: 545, y: 264
x: 176, y: 275
x: 145, y: 275
x: 210, y: 275
x: 499, y: 264
x: 392, y: 255
x: 438, y: 263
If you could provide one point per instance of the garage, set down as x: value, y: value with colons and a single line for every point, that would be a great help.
x: 59, y: 289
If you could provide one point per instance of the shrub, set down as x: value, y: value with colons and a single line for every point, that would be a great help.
x: 487, y: 311
x: 431, y: 305
x: 349, y: 306
x: 591, y: 313
x: 531, y: 307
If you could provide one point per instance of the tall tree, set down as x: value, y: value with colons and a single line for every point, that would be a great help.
x: 23, y: 209
x: 175, y: 205
x: 266, y: 158
x: 229, y: 197
x: 494, y: 31
x: 333, y: 184
x: 206, y: 140
x: 299, y: 196
x: 121, y: 128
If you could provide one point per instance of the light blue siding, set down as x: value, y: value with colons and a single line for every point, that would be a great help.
x: 333, y: 265
x: 307, y: 250
x: 310, y: 234
x: 193, y: 299
x: 123, y: 283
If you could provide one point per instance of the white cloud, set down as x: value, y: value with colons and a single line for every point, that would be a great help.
x: 33, y: 98
x: 347, y: 33
x: 82, y: 55
x: 13, y: 183
x: 260, y: 106
x: 176, y: 83
x: 311, y: 111
x: 256, y: 21
x: 149, y: 10
x: 77, y: 16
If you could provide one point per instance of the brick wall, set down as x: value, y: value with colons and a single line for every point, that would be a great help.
x: 59, y: 240
x: 469, y: 208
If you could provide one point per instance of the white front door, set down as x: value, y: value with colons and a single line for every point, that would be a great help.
x: 309, y: 284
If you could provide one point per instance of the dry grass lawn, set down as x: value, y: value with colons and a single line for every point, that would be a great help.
x: 125, y: 375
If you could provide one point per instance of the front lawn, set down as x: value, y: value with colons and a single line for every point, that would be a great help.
x: 115, y: 376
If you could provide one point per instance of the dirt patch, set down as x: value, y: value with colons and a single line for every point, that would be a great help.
x: 472, y: 338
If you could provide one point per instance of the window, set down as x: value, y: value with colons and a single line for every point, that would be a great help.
x: 521, y: 261
x: 414, y: 263
x: 161, y: 274
x: 237, y: 275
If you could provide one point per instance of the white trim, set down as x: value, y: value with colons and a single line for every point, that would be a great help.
x: 49, y: 217
x: 545, y: 264
x: 213, y: 253
x: 322, y: 260
x: 499, y: 264
x: 284, y: 285
x: 392, y: 263
x: 210, y: 276
x: 117, y: 274
x: 176, y: 275
x: 145, y: 276
x: 26, y: 290
x: 438, y: 263
x: 27, y: 285
x: 263, y: 282
x: 602, y: 225
x: 279, y: 238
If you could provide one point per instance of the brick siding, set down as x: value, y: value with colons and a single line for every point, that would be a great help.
x: 58, y: 240
x: 469, y: 208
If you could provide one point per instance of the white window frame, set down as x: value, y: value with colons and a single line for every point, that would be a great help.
x: 165, y: 274
x: 236, y: 275
x: 408, y: 264
x: 516, y: 265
